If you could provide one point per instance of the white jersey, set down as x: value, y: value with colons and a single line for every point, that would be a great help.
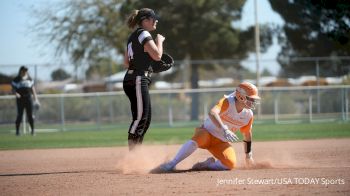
x: 230, y: 117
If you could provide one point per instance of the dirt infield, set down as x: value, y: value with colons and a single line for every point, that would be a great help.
x: 284, y: 168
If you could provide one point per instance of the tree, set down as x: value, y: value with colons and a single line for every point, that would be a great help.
x: 84, y: 30
x: 59, y: 74
x: 199, y: 29
x: 101, y: 68
x: 266, y: 72
x: 194, y: 29
x: 314, y: 28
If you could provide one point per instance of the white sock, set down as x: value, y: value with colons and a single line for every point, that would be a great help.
x: 186, y: 150
x: 217, y: 165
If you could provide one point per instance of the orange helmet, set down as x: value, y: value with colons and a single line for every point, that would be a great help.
x: 247, y: 94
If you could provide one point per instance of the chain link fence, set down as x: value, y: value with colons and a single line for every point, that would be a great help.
x: 95, y: 111
x: 310, y: 97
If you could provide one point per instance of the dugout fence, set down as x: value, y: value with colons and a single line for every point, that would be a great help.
x: 96, y: 111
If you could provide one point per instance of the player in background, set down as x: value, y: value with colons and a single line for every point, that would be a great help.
x: 23, y: 88
x: 231, y: 113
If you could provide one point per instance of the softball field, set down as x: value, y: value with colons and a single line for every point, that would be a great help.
x: 304, y: 167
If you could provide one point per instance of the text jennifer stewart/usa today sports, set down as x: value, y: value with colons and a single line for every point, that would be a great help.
x: 280, y: 181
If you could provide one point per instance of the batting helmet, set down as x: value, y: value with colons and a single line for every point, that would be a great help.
x: 247, y: 94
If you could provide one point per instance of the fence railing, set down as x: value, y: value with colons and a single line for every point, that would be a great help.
x: 172, y: 107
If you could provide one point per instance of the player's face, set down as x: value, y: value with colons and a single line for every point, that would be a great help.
x: 155, y: 22
x: 24, y: 73
x: 150, y: 24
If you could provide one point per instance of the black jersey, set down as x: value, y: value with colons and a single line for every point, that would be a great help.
x: 138, y: 59
x: 23, y: 86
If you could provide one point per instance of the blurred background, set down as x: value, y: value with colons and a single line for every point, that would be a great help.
x: 297, y: 52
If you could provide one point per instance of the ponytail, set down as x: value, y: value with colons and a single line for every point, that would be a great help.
x: 132, y: 21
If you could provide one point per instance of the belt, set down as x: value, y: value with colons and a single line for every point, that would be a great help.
x: 145, y: 73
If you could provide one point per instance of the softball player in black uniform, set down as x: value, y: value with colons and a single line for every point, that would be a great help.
x: 141, y: 50
x: 23, y: 87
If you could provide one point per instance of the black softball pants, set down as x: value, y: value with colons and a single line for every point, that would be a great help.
x: 137, y: 91
x: 27, y: 104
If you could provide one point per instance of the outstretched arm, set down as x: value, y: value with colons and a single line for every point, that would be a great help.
x: 247, y: 142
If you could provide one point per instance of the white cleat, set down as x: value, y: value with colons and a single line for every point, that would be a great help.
x: 203, y: 165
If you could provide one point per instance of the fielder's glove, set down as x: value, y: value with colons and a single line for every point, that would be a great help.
x: 36, y: 105
x: 164, y: 64
x: 229, y: 135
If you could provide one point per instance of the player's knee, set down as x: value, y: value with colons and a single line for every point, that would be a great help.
x: 196, y: 141
x: 18, y: 119
x: 201, y: 137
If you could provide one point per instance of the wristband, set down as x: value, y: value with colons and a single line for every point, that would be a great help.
x: 247, y: 146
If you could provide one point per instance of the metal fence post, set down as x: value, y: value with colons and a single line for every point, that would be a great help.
x: 63, y: 128
x: 170, y: 111
x: 318, y: 84
x: 343, y: 103
x: 205, y: 110
x: 310, y: 108
x: 346, y: 105
x: 98, y: 110
x: 111, y: 108
x: 276, y: 109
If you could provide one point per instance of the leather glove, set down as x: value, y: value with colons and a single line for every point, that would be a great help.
x: 36, y: 105
x: 164, y: 64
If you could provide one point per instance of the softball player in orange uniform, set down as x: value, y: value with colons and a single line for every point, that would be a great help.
x: 231, y: 113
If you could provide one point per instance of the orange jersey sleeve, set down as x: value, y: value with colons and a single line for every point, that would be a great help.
x: 247, y: 127
x: 222, y: 105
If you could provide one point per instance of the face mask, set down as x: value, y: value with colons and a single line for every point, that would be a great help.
x: 251, y: 103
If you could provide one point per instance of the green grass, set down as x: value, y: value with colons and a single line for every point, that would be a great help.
x: 271, y: 132
x: 160, y: 134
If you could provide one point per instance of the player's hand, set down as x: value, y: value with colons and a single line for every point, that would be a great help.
x: 160, y: 38
x: 249, y: 161
x: 230, y: 136
x: 18, y: 95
